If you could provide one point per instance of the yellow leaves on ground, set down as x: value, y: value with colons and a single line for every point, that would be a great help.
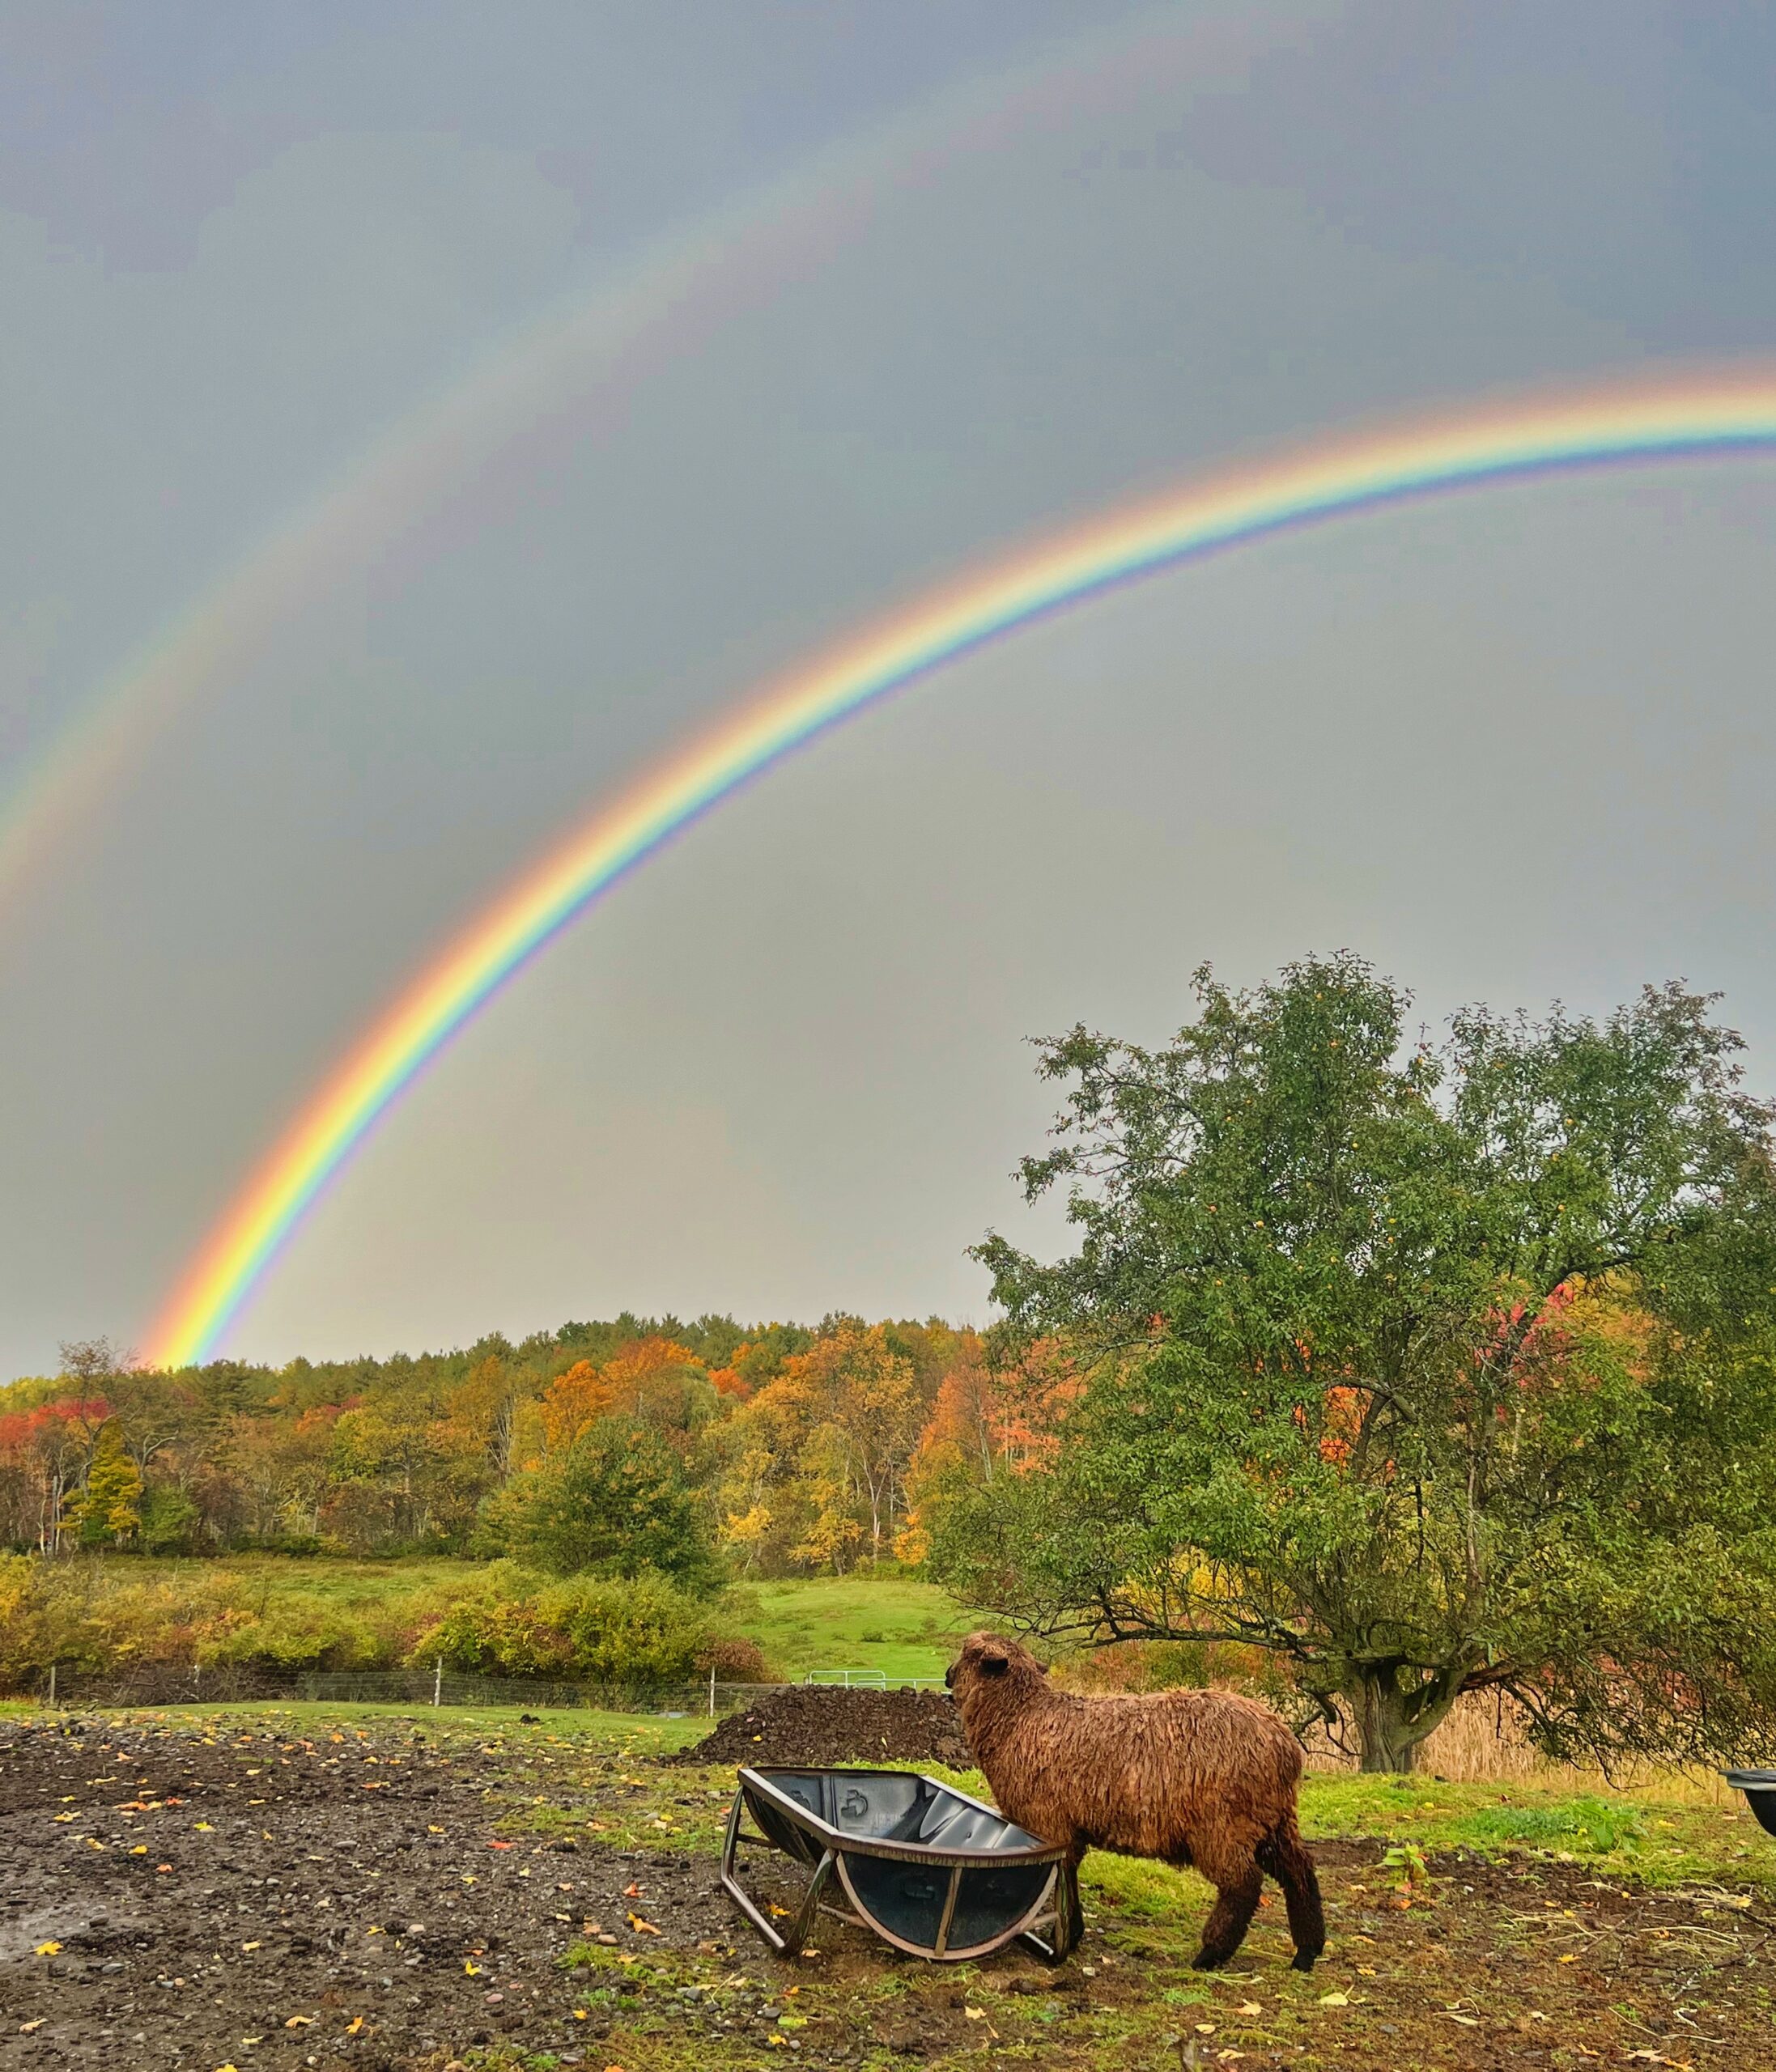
x: 49, y: 1950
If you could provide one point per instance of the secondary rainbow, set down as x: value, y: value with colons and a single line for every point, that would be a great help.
x: 1694, y: 419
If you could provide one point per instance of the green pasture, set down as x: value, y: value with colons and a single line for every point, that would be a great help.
x: 902, y: 1628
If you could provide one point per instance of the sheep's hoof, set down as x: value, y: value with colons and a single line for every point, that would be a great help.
x: 1303, y: 1960
x: 1210, y: 1960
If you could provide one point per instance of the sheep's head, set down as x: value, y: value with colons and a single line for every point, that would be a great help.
x: 991, y: 1668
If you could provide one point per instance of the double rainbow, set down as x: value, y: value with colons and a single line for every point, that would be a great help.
x: 1687, y: 419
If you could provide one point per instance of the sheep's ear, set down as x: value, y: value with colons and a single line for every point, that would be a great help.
x: 994, y: 1665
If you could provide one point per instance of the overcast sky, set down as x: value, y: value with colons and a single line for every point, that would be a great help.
x: 1512, y: 745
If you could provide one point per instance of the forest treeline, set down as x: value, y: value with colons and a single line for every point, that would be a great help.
x: 697, y: 1449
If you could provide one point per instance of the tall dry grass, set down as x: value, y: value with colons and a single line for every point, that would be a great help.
x: 1482, y: 1742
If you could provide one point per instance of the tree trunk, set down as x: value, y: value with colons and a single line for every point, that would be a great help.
x: 1392, y: 1720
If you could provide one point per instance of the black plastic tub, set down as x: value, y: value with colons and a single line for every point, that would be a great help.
x: 1759, y: 1787
x: 924, y: 1867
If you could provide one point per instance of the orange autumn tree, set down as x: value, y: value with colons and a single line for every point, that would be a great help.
x: 573, y: 1403
x: 983, y: 1423
x: 816, y: 1462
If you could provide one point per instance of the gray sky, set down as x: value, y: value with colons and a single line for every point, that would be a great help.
x: 1511, y: 744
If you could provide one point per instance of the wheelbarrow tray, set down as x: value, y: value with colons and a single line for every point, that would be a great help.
x: 1759, y: 1787
x: 924, y: 1867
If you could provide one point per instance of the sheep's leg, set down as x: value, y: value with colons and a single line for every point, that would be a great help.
x: 1288, y: 1861
x: 1235, y: 1904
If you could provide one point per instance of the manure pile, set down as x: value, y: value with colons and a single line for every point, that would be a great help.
x: 820, y: 1726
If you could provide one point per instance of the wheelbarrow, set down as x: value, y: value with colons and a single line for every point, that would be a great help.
x: 1759, y: 1787
x: 924, y: 1867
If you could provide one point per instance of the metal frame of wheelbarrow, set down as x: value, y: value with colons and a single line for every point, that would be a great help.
x: 826, y: 1849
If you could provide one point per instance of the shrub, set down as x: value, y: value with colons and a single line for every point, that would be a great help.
x: 735, y: 1660
x: 297, y: 1633
x: 498, y: 1631
x: 636, y: 1631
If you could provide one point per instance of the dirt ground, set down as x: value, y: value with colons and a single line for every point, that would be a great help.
x: 401, y: 1899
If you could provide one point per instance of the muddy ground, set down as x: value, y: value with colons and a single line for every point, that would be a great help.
x: 176, y: 1897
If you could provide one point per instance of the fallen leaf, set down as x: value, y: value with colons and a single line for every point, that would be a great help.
x: 353, y: 2025
x: 631, y: 1892
x: 48, y: 1949
x: 250, y: 1946
x: 493, y: 1845
x: 300, y: 2021
x: 1335, y: 2000
x: 141, y: 1849
x: 1248, y: 2007
x: 1467, y: 2021
x: 471, y: 1969
x: 640, y: 1926
x: 31, y: 2028
x: 1571, y: 1957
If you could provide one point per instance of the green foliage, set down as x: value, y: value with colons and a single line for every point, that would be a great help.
x: 1406, y: 1868
x: 1425, y: 1370
x: 498, y: 1631
x: 107, y: 1510
x: 617, y: 1502
x: 170, y: 1520
x: 637, y: 1631
x: 296, y: 1636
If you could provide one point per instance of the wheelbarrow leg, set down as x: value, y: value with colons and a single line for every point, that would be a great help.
x: 1069, y: 1920
x: 787, y: 1943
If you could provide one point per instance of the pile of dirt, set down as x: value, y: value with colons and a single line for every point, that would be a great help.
x: 817, y: 1726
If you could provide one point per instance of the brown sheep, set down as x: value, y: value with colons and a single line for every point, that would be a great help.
x: 1198, y: 1777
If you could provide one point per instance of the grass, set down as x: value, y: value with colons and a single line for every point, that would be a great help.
x: 614, y: 1734
x: 339, y: 1584
x: 902, y: 1628
x: 1675, y: 1830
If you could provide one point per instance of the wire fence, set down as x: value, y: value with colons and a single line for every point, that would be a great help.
x: 149, y: 1684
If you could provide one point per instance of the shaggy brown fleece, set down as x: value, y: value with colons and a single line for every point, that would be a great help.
x: 1200, y: 1777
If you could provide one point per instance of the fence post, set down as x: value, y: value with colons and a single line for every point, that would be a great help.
x: 52, y: 1686
x: 711, y: 1690
x: 437, y: 1685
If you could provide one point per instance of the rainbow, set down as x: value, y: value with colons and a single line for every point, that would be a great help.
x: 1697, y: 418
x: 568, y: 370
